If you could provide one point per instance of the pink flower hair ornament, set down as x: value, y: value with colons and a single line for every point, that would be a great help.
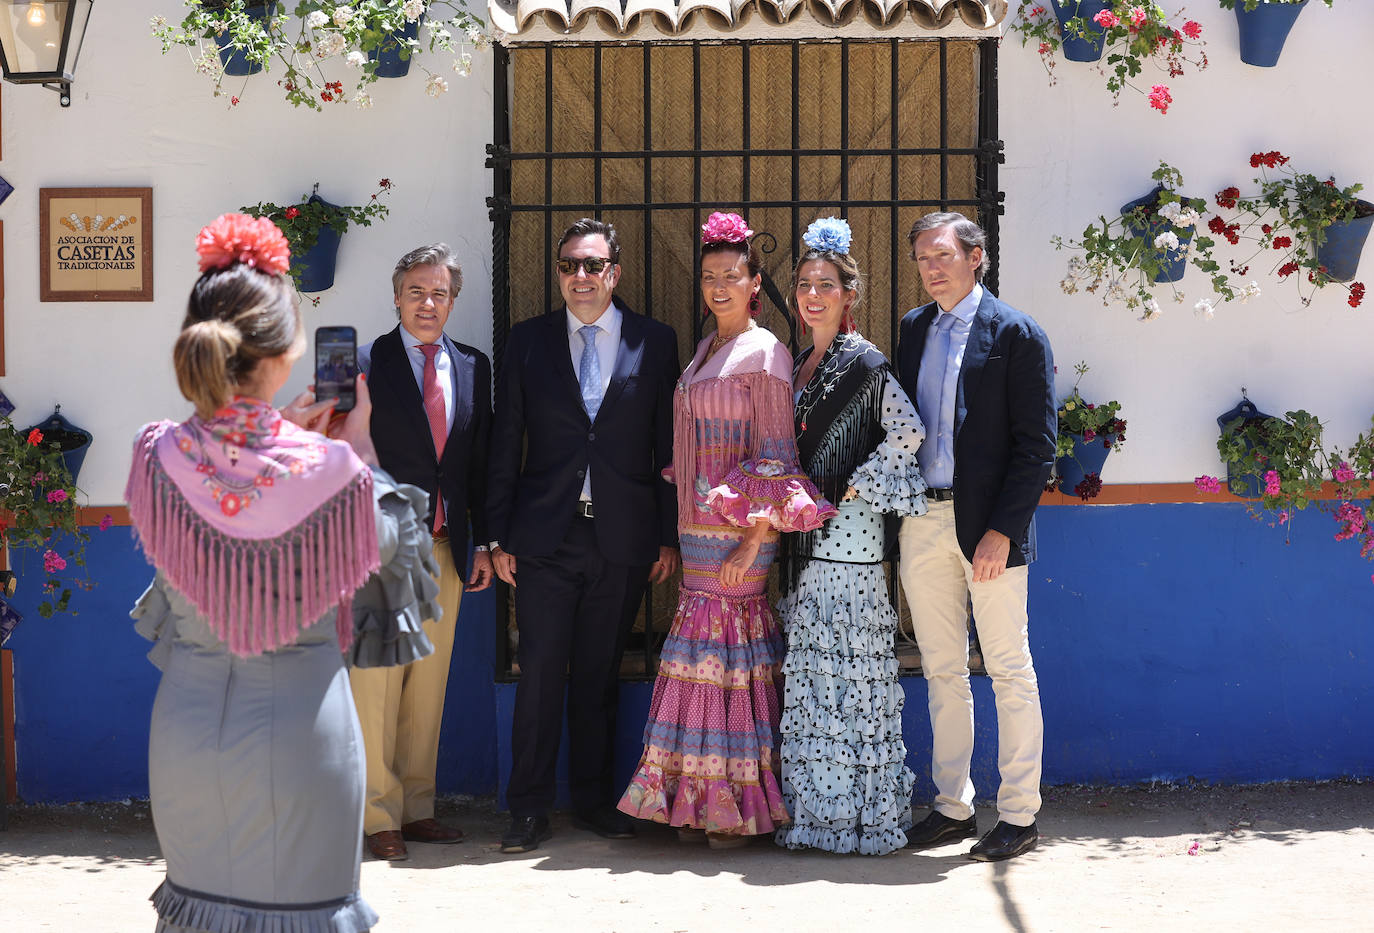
x: 255, y: 242
x: 725, y: 228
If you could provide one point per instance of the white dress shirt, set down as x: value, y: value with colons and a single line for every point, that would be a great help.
x: 607, y: 346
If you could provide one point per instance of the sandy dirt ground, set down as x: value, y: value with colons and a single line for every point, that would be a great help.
x: 1293, y: 856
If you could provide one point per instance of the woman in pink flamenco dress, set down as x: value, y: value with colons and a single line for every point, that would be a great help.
x: 709, y: 763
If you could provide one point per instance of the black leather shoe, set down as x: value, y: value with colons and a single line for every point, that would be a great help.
x: 606, y: 822
x: 525, y: 834
x: 1005, y: 841
x: 937, y: 829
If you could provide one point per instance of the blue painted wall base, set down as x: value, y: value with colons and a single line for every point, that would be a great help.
x: 1171, y: 642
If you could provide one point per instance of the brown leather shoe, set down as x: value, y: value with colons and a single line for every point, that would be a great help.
x: 387, y: 846
x: 431, y: 830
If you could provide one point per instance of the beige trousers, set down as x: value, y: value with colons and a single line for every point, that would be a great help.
x: 400, y: 709
x: 938, y: 582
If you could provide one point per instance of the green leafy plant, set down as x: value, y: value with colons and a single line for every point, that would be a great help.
x: 1123, y: 256
x: 302, y: 221
x: 1133, y: 33
x: 38, y: 509
x: 327, y: 34
x: 1290, y: 215
x: 1086, y: 422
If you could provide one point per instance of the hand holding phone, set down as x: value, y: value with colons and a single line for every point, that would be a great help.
x: 336, y: 365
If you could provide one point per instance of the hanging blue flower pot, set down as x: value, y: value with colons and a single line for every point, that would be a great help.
x: 314, y: 268
x: 1264, y: 29
x: 1344, y: 243
x: 1172, y: 262
x: 73, y: 442
x: 1245, y: 485
x: 393, y: 54
x: 1089, y: 47
x: 1087, y: 457
x: 237, y: 63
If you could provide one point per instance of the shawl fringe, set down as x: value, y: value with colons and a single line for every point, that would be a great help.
x: 256, y: 594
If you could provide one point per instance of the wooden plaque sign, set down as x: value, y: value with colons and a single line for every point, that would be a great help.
x: 95, y: 244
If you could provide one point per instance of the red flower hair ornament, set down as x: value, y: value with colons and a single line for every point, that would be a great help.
x: 254, y: 241
x: 725, y: 228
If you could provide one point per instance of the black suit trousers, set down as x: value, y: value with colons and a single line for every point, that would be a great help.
x: 574, y: 610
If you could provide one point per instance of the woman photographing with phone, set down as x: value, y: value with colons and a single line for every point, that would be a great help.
x: 261, y: 531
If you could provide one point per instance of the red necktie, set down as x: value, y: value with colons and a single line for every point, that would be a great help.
x: 438, y: 422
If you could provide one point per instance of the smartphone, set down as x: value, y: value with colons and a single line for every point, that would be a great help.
x: 336, y: 365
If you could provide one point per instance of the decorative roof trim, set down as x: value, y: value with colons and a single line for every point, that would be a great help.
x: 640, y: 20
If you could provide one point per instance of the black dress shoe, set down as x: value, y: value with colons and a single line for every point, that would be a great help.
x: 1004, y: 841
x: 937, y: 829
x: 607, y: 822
x: 525, y: 834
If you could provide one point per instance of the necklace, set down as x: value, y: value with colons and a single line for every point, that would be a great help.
x: 721, y: 339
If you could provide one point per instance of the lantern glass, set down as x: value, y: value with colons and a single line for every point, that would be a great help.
x: 41, y: 38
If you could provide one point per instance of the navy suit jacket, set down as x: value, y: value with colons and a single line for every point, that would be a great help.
x: 400, y: 432
x: 1004, y: 419
x: 539, y: 412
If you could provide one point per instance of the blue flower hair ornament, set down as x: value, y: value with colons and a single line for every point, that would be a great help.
x: 828, y: 234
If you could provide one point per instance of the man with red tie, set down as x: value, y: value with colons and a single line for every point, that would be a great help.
x: 431, y: 416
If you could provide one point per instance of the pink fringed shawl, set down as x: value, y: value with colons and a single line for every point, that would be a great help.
x: 263, y: 525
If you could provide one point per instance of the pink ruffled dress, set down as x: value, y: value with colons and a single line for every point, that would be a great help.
x: 709, y: 744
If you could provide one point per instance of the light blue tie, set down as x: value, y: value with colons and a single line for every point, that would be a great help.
x: 930, y: 389
x: 589, y: 371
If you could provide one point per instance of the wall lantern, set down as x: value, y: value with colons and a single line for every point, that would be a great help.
x: 40, y: 40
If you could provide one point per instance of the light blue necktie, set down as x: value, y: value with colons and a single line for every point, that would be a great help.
x: 589, y: 371
x: 930, y: 389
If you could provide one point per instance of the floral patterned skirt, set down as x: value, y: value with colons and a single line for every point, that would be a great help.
x: 709, y: 744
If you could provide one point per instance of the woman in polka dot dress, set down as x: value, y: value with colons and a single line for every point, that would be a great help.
x: 844, y: 774
x: 709, y: 745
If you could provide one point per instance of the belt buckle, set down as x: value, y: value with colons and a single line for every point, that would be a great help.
x: 942, y: 495
x: 584, y: 508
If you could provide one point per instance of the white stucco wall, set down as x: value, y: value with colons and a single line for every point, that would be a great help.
x: 139, y: 118
x: 1071, y: 156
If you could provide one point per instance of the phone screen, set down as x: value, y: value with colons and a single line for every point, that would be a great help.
x: 336, y: 365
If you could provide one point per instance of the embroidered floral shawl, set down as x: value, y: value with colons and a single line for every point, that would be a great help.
x: 263, y: 525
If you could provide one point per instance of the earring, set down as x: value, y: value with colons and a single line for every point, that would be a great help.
x: 847, y: 322
x: 705, y: 311
x: 754, y: 305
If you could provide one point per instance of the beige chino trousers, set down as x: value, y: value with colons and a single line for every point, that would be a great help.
x: 938, y: 582
x: 400, y: 710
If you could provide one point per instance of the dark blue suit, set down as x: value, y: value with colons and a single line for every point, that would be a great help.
x: 1004, y: 419
x: 579, y: 581
x: 400, y: 431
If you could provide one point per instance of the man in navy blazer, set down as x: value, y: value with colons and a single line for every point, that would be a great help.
x: 431, y: 419
x: 580, y: 518
x: 982, y: 376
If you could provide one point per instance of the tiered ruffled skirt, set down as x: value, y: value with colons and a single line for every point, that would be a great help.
x: 709, y: 744
x: 844, y: 774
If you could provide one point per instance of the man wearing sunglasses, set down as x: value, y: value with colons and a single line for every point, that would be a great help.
x: 579, y: 523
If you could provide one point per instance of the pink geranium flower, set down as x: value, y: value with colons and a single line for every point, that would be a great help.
x: 1107, y: 19
x: 1160, y: 98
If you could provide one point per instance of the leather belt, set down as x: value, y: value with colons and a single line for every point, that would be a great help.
x: 940, y: 495
x: 584, y: 509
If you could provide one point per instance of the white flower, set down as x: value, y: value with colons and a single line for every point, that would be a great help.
x: 1171, y: 211
x: 1069, y: 286
x: 1150, y: 311
x: 1077, y: 267
x: 413, y: 9
x: 1178, y: 297
x: 363, y: 100
x: 435, y: 86
x: 316, y: 19
x: 207, y: 64
x: 157, y: 22
x: 440, y: 33
x: 1187, y: 218
x: 342, y: 14
x: 481, y: 41
x: 1167, y: 240
x: 330, y: 44
x: 1204, y: 308
x: 355, y: 59
x: 463, y: 64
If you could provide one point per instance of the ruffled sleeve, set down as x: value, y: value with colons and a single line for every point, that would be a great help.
x: 155, y: 621
x: 890, y: 479
x: 389, y: 610
x: 770, y: 486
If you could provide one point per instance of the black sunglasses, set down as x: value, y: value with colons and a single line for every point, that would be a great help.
x: 594, y: 265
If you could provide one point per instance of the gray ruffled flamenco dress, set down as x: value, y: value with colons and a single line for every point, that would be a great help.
x: 256, y: 768
x: 843, y: 761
